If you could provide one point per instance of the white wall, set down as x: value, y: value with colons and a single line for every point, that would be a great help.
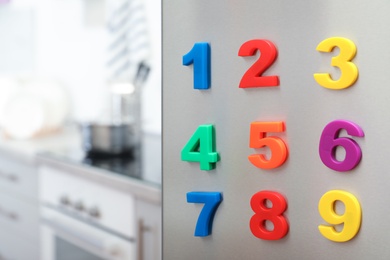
x: 66, y: 45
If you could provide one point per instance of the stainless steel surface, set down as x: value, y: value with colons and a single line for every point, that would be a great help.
x: 296, y: 28
x: 109, y: 138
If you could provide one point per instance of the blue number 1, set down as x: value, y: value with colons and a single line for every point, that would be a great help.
x: 199, y: 55
x: 211, y: 202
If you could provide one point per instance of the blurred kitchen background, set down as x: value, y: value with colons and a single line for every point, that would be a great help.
x: 80, y: 129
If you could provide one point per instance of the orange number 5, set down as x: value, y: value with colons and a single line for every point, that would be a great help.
x: 259, y: 139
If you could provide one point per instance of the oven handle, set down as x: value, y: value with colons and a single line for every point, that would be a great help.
x: 140, y: 239
x: 141, y: 230
x: 64, y: 229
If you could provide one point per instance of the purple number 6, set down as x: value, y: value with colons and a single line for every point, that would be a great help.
x: 330, y: 140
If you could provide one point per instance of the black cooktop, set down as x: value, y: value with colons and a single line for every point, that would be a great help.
x: 127, y: 164
x: 142, y: 163
x: 131, y: 164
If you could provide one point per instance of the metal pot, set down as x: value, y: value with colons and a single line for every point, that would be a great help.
x: 113, y: 139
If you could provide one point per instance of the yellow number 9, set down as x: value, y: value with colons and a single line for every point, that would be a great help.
x: 351, y: 218
x: 349, y: 71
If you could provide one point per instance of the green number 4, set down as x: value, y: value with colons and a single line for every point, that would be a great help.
x: 201, y: 148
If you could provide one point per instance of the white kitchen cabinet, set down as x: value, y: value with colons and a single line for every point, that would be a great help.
x: 18, y: 177
x: 19, y: 217
x: 19, y: 213
x: 13, y: 247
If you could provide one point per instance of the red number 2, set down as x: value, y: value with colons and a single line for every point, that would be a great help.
x: 253, y: 76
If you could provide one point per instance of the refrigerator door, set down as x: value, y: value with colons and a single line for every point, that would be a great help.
x: 292, y: 164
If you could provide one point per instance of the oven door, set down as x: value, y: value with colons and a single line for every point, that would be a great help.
x: 69, y: 238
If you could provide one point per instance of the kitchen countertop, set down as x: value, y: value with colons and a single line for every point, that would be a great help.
x: 27, y: 150
x: 63, y: 150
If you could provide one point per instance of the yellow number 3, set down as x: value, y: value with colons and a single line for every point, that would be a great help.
x: 351, y: 218
x: 349, y: 71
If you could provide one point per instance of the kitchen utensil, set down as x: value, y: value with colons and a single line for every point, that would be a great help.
x: 142, y: 73
x: 107, y: 138
x: 124, y: 105
x: 121, y: 133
